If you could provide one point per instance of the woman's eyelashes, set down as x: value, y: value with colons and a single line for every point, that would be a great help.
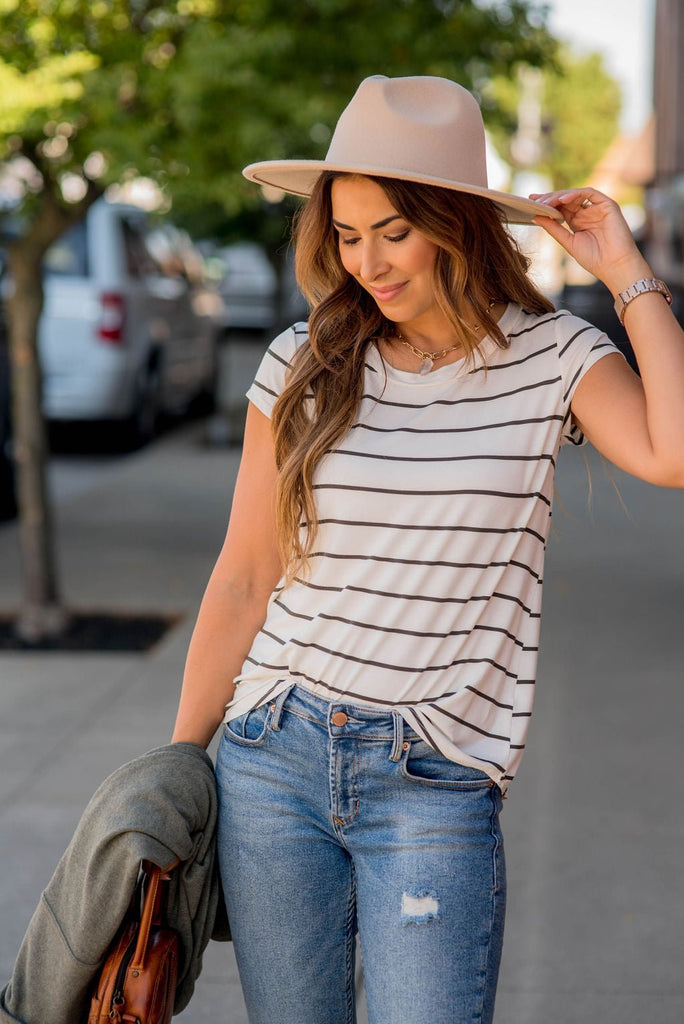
x: 390, y: 238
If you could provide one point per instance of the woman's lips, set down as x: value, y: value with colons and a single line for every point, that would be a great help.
x: 389, y: 292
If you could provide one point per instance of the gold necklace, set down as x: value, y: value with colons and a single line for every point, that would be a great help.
x: 428, y: 359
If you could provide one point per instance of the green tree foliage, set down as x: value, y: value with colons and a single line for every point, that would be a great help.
x: 580, y: 109
x: 186, y: 92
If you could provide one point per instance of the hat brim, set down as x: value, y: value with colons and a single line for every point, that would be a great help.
x: 298, y: 177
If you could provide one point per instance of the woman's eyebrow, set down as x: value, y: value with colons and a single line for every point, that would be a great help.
x: 374, y: 227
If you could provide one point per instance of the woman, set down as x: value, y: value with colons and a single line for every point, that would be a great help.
x: 370, y: 630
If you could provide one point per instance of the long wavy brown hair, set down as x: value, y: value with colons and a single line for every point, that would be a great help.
x: 477, y: 260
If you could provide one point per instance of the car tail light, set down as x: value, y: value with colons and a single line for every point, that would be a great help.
x: 112, y: 318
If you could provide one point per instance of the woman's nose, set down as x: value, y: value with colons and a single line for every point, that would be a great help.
x: 373, y: 265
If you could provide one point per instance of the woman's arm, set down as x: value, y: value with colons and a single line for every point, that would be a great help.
x: 234, y: 605
x: 638, y: 423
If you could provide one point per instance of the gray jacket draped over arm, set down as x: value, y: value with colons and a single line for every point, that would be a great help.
x: 160, y: 807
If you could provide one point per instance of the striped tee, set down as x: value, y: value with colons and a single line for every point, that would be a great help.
x: 425, y: 584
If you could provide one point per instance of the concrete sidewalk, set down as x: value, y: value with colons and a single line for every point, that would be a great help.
x: 144, y: 538
x: 594, y: 824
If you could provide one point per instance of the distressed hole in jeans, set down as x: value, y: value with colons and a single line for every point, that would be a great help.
x: 419, y: 907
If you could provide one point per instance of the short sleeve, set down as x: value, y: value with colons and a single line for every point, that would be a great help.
x: 580, y: 346
x: 271, y: 376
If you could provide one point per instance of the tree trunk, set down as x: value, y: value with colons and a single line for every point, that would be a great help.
x: 42, y: 614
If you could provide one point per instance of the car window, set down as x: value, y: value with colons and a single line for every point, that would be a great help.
x: 163, y: 245
x: 68, y: 256
x: 139, y: 260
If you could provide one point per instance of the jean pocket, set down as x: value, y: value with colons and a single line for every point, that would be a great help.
x: 425, y: 766
x: 249, y: 730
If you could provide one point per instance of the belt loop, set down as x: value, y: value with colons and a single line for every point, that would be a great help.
x: 398, y: 736
x: 277, y: 707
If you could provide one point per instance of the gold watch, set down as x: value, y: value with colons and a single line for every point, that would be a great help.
x: 641, y: 287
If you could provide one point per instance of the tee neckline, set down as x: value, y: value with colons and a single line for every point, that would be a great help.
x: 459, y: 368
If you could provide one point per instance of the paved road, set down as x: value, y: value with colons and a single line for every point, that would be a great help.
x: 594, y: 824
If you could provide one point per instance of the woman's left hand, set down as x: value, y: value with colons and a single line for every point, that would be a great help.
x: 599, y: 237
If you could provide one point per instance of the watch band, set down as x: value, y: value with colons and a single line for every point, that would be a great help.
x: 641, y: 287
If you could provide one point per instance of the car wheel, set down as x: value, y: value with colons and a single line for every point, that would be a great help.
x: 142, y: 424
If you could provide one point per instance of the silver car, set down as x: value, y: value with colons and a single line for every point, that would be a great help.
x: 124, y: 335
x: 249, y: 286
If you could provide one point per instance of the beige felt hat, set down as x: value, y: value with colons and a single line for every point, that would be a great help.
x: 421, y: 129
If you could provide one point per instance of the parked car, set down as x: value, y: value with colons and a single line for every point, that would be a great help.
x: 248, y: 286
x: 121, y: 338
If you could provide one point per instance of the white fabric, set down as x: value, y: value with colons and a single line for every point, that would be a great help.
x: 425, y: 587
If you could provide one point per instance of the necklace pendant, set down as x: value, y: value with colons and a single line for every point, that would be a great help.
x: 426, y: 365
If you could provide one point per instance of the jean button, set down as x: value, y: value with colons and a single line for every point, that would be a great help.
x: 339, y: 718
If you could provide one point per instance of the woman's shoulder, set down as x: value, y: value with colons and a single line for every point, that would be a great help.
x: 523, y: 322
x: 271, y: 375
x: 285, y: 344
x: 557, y: 328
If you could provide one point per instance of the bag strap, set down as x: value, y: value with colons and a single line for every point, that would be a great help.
x: 151, y: 911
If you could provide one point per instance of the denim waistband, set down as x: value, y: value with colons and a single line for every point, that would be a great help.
x: 345, y: 719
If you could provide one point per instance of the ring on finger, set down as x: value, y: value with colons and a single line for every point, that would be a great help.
x: 585, y: 204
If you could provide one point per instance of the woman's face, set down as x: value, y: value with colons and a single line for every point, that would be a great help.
x: 390, y: 259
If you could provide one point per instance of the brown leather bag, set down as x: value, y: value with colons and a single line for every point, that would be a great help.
x: 137, y: 983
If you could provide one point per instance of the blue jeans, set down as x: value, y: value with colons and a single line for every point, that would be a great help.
x: 335, y: 817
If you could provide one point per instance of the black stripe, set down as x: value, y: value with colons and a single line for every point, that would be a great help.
x: 297, y: 615
x: 258, y: 384
x: 419, y: 669
x: 445, y: 458
x: 417, y: 632
x: 438, y: 563
x: 469, y: 725
x: 466, y: 430
x: 279, y: 359
x: 422, y: 730
x: 420, y: 493
x: 380, y: 701
x: 421, y: 727
x: 417, y: 597
x: 521, y: 714
x: 485, y: 696
x: 516, y: 600
x: 461, y: 492
x: 273, y: 636
x: 577, y: 334
x: 419, y: 526
x: 542, y: 323
x: 515, y: 362
x: 262, y: 700
x: 464, y: 401
x: 573, y: 382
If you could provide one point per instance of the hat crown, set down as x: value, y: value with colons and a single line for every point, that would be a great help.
x: 420, y: 125
x: 422, y: 129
